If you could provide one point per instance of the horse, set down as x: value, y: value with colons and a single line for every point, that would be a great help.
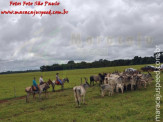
x: 57, y: 83
x: 43, y: 87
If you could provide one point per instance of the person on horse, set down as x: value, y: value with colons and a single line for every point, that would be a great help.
x: 41, y: 80
x: 57, y: 78
x: 35, y: 84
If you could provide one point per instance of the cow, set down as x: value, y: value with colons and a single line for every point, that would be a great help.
x: 95, y: 78
x: 107, y: 88
x: 80, y: 92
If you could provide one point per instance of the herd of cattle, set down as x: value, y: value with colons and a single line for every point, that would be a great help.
x: 129, y: 79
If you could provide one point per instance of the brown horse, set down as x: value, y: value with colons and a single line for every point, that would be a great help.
x: 43, y: 88
x: 56, y: 83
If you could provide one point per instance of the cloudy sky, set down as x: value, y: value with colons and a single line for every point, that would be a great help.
x: 92, y: 30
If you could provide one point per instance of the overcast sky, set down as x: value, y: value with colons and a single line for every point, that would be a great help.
x: 92, y: 30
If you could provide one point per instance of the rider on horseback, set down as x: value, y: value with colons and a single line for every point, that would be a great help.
x: 35, y: 84
x: 57, y: 78
x: 41, y: 80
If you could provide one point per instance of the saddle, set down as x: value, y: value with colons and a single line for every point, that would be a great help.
x: 58, y: 83
x: 34, y: 88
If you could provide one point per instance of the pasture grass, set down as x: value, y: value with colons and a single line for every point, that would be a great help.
x: 132, y: 106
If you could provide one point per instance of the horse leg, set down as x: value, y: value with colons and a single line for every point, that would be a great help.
x: 39, y: 95
x: 100, y: 83
x: 27, y: 97
x: 145, y: 84
x: 79, y: 100
x: 62, y: 87
x: 53, y: 85
x: 122, y: 90
x: 45, y: 93
x: 33, y: 95
x: 54, y: 88
x: 102, y: 93
x: 131, y: 87
x: 83, y: 99
x: 117, y: 89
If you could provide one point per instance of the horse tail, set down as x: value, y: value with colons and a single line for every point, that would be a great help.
x: 53, y: 82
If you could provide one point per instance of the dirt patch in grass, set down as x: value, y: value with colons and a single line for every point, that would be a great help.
x: 17, y: 98
x: 98, y: 97
x: 23, y: 97
x: 59, y: 104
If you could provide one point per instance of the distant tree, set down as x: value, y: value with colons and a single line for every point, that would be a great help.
x: 136, y: 60
x: 43, y: 68
x: 71, y: 62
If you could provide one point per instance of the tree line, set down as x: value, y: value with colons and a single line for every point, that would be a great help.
x: 13, y: 72
x: 96, y: 64
x: 101, y: 63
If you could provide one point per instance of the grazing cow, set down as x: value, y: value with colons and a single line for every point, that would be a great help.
x: 80, y: 91
x: 107, y: 88
x: 29, y: 90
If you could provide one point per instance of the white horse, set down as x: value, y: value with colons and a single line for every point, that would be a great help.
x: 56, y: 83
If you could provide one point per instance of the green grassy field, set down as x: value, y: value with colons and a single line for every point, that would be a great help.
x: 132, y: 106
